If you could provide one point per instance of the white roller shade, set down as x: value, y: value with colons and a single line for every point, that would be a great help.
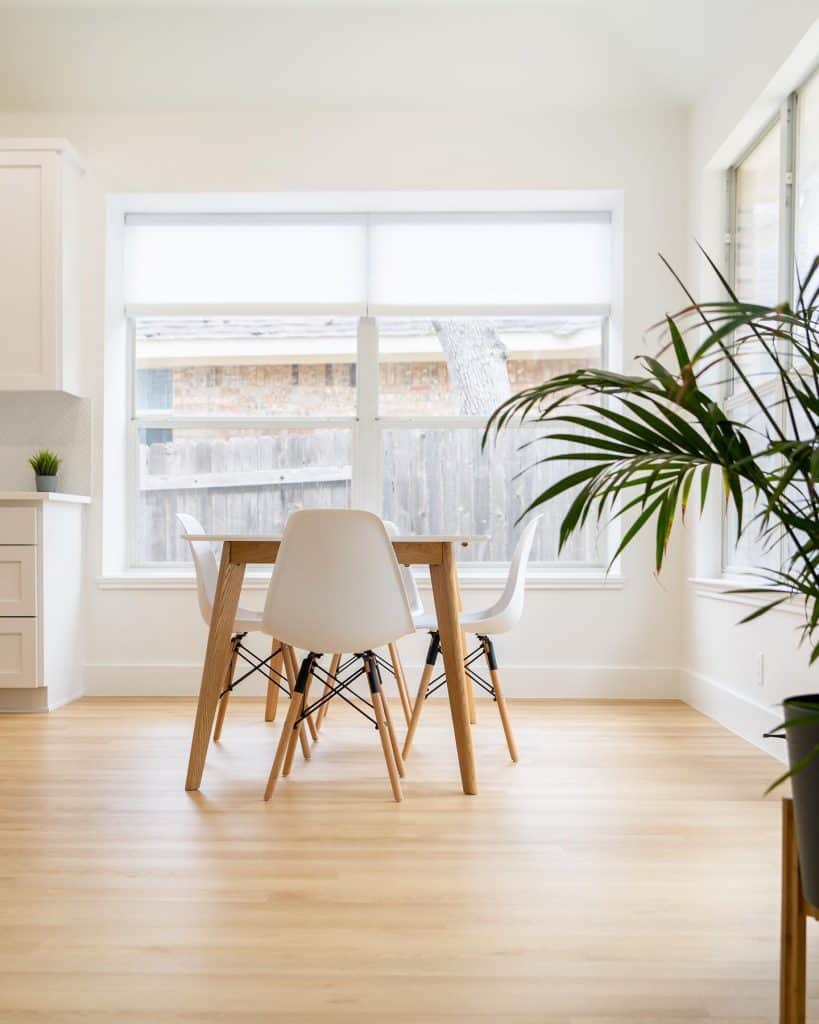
x: 493, y: 260
x: 253, y: 259
x: 381, y: 263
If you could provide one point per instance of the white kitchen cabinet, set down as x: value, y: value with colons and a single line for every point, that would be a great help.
x: 39, y: 266
x: 41, y: 579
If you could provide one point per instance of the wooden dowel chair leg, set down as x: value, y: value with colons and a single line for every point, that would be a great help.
x: 432, y: 657
x: 401, y: 682
x: 292, y: 675
x: 287, y: 740
x: 470, y: 686
x: 396, y: 749
x: 291, y: 750
x: 225, y: 700
x: 311, y: 725
x: 793, y: 939
x: 272, y: 702
x: 321, y: 714
x: 221, y: 711
x: 492, y: 665
x: 381, y: 725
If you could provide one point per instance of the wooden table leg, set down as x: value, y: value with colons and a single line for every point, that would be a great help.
x: 217, y: 659
x: 792, y: 967
x: 445, y: 591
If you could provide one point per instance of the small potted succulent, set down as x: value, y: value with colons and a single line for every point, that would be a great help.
x: 45, y: 464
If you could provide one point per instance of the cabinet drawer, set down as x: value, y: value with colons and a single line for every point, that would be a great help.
x: 18, y: 524
x: 18, y: 653
x: 18, y: 580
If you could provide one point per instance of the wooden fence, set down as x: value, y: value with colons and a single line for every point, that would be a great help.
x: 433, y: 481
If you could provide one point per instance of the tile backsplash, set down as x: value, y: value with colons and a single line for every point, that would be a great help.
x: 32, y: 420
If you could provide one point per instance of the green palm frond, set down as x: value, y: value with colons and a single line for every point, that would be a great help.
x: 637, y: 446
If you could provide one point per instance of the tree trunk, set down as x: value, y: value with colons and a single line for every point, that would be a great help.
x: 476, y: 361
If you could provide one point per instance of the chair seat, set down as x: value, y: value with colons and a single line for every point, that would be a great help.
x: 247, y: 621
x: 483, y: 622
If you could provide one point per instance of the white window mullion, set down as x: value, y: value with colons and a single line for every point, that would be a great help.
x: 787, y: 220
x: 367, y: 446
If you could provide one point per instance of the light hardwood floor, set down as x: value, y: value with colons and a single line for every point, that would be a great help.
x: 627, y: 869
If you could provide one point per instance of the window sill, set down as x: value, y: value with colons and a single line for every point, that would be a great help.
x: 483, y: 579
x: 719, y: 588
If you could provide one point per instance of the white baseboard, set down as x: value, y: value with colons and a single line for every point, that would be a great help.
x: 62, y: 701
x: 27, y: 700
x: 32, y: 700
x: 551, y: 681
x: 737, y: 712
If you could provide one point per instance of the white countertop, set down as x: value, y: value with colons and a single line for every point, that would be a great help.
x: 22, y: 496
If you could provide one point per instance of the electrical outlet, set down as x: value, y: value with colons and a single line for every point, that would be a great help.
x: 760, y: 669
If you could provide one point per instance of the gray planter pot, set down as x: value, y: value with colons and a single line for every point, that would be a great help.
x: 46, y: 483
x: 802, y: 739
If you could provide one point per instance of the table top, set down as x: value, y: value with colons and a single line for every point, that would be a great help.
x: 275, y: 538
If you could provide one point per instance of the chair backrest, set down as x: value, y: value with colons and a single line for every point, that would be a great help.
x: 509, y: 605
x: 413, y: 594
x: 337, y: 585
x: 204, y: 562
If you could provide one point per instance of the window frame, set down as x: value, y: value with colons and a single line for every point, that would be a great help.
x: 787, y: 119
x: 366, y: 425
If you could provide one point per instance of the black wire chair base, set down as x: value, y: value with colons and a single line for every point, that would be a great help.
x: 261, y: 665
x: 438, y: 681
x: 336, y: 685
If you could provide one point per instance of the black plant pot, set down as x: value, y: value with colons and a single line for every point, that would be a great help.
x: 802, y: 739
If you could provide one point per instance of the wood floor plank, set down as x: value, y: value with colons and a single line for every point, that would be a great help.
x: 627, y: 869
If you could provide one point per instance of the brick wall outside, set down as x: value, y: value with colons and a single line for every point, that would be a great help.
x: 328, y: 389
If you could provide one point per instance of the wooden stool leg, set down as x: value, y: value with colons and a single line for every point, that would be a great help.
x: 401, y: 682
x: 321, y: 714
x: 432, y: 656
x: 792, y: 969
x: 272, y: 701
x: 492, y: 665
x: 290, y: 730
x: 221, y: 711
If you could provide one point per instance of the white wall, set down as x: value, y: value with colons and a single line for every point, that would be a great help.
x: 605, y: 642
x: 721, y: 658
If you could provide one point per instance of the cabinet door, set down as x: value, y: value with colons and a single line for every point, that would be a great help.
x: 29, y: 263
x: 18, y: 658
x: 18, y: 580
x: 18, y: 524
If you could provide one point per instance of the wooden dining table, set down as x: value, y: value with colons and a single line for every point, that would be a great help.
x: 239, y: 551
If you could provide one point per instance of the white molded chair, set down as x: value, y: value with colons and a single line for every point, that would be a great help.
x: 501, y: 617
x: 394, y: 666
x: 247, y: 621
x: 337, y: 587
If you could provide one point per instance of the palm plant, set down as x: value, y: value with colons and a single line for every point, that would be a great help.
x: 642, y: 443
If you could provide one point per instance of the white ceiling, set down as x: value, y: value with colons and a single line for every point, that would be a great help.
x: 381, y: 54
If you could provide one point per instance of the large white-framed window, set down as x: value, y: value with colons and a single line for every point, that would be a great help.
x: 772, y: 238
x: 279, y: 360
